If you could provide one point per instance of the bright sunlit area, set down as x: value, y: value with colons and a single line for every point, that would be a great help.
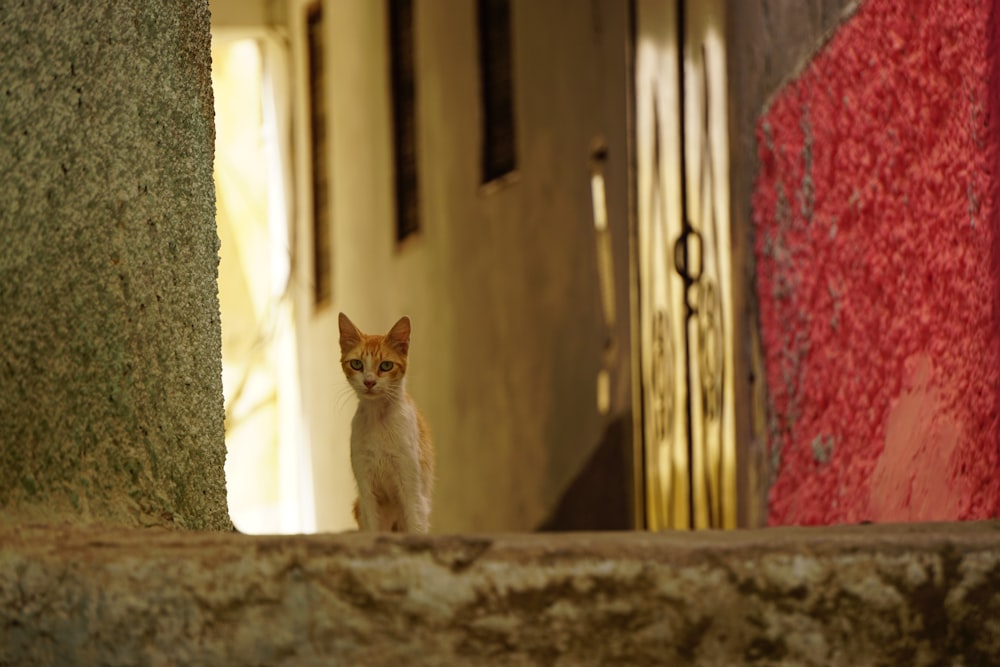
x: 267, y: 464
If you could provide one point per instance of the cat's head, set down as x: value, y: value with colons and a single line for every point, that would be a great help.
x: 374, y: 365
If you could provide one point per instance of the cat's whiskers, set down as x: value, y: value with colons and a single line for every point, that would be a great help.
x: 345, y: 394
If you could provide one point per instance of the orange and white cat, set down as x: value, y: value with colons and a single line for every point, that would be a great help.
x: 391, y: 451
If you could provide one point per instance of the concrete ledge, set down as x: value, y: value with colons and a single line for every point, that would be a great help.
x: 833, y: 596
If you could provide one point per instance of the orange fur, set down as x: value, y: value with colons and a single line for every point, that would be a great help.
x: 391, y: 451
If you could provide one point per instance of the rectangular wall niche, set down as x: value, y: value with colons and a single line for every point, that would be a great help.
x: 401, y: 53
x: 318, y: 126
x: 499, y: 139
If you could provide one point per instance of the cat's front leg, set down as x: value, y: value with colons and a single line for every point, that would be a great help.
x: 368, y: 518
x: 416, y: 515
x: 414, y: 510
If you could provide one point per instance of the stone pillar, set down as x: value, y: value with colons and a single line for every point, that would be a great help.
x: 110, y: 373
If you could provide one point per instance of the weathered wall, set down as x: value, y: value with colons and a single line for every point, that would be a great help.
x: 110, y: 391
x: 833, y: 597
x: 501, y: 285
x: 877, y: 227
x: 769, y: 41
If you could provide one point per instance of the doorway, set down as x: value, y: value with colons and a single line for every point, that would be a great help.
x: 684, y: 420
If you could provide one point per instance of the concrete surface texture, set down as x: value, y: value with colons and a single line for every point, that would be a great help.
x: 110, y: 390
x: 877, y: 276
x: 834, y: 596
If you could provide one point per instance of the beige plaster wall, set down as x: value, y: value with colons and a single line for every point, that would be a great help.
x: 502, y: 286
x: 110, y: 389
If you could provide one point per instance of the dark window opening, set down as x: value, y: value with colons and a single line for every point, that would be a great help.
x: 318, y: 127
x: 499, y: 153
x: 404, y: 116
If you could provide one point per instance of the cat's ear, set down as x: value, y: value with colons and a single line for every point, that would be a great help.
x: 350, y: 335
x: 399, y: 335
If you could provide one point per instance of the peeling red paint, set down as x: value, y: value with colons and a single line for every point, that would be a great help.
x: 921, y: 430
x: 877, y: 237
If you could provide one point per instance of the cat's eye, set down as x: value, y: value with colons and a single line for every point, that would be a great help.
x: 385, y: 366
x: 356, y: 364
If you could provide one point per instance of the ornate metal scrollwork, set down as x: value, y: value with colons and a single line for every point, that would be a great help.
x: 710, y: 353
x: 683, y: 255
x: 666, y: 480
x: 661, y: 380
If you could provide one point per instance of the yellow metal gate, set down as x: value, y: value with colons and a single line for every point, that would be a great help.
x: 682, y: 296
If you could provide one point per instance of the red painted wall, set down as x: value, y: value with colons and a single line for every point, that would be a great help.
x: 876, y: 242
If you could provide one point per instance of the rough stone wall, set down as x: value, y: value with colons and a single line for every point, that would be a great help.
x: 768, y: 42
x: 110, y: 387
x: 877, y: 270
x: 867, y: 595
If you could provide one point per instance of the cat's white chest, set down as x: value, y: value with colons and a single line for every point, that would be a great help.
x: 382, y: 443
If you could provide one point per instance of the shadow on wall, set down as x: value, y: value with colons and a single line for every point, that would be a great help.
x: 597, y: 499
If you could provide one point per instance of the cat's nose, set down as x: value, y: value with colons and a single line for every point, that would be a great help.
x: 369, y: 383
